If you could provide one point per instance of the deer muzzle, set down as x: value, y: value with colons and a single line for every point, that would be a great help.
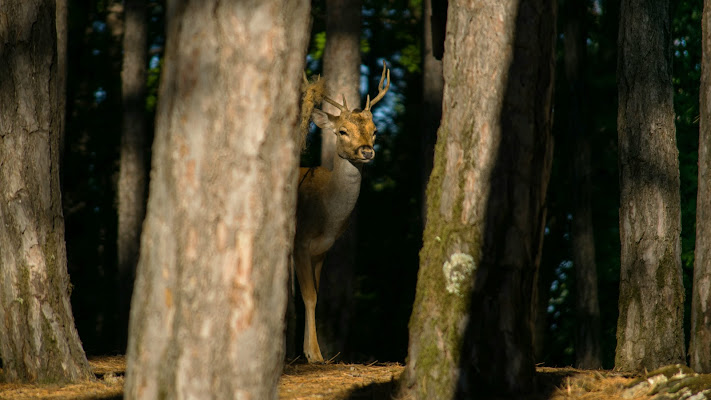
x: 366, y: 152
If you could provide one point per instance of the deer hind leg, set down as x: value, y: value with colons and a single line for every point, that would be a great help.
x: 308, y: 283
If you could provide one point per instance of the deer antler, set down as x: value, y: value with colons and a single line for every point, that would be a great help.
x: 343, y: 108
x: 381, y: 91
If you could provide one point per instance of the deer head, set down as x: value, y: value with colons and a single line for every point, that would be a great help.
x: 354, y: 129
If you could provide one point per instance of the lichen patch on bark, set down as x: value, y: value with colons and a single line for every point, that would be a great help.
x: 458, y: 273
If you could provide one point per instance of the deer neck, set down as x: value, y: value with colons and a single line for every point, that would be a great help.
x: 343, y: 187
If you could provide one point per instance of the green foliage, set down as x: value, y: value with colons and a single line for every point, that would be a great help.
x: 318, y: 45
x: 412, y: 58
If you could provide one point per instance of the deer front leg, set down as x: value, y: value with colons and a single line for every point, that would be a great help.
x: 308, y: 283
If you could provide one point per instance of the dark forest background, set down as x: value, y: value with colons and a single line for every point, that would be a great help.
x: 390, y: 206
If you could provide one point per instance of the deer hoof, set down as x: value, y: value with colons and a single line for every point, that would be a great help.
x: 315, y: 358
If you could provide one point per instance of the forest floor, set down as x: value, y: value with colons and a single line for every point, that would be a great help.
x: 340, y: 381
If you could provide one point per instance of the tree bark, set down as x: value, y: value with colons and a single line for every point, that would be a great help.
x: 38, y: 340
x: 470, y: 329
x: 207, y: 315
x: 650, y: 325
x: 432, y: 89
x: 132, y: 169
x: 700, y: 343
x: 341, y: 69
x: 587, y: 337
x: 62, y: 37
x: 341, y: 63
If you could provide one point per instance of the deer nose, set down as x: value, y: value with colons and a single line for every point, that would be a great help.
x: 367, y: 152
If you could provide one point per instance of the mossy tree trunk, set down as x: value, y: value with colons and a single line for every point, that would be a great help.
x: 470, y: 329
x: 700, y: 343
x: 132, y: 167
x: 650, y: 325
x: 207, y: 315
x: 587, y: 307
x: 341, y: 69
x: 38, y: 340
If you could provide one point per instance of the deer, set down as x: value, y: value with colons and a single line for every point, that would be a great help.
x: 326, y: 198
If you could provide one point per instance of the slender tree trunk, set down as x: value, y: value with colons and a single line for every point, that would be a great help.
x: 341, y: 63
x: 341, y: 69
x: 132, y: 169
x: 587, y: 338
x: 432, y: 89
x: 38, y: 341
x: 207, y: 316
x: 650, y: 325
x: 470, y: 329
x: 62, y: 37
x: 700, y: 344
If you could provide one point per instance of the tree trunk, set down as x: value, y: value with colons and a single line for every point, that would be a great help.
x: 62, y: 37
x: 38, y: 341
x: 341, y: 69
x: 470, y: 329
x: 341, y: 63
x: 700, y: 343
x: 132, y: 169
x: 432, y: 89
x: 587, y: 338
x: 207, y: 315
x: 650, y: 325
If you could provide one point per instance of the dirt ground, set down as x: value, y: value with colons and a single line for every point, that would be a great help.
x: 335, y: 381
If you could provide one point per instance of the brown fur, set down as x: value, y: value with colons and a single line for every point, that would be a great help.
x: 326, y: 197
x: 312, y: 93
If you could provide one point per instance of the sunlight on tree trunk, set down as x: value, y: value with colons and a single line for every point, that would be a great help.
x: 650, y: 326
x: 700, y: 343
x: 38, y: 340
x: 470, y: 329
x: 207, y: 315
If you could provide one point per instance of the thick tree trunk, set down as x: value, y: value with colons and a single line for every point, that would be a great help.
x: 700, y: 343
x: 38, y: 341
x: 650, y: 325
x: 207, y: 316
x: 470, y: 329
x: 432, y: 89
x: 341, y: 69
x: 132, y: 169
x: 587, y: 337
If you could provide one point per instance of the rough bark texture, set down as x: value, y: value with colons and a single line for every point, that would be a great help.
x: 470, y: 329
x: 207, y: 315
x: 587, y: 307
x: 432, y: 89
x: 341, y: 69
x: 700, y: 343
x: 38, y: 341
x: 650, y: 325
x: 132, y: 169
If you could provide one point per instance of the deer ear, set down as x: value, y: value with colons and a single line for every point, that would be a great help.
x: 323, y: 120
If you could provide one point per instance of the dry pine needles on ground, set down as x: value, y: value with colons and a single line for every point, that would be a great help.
x: 339, y: 381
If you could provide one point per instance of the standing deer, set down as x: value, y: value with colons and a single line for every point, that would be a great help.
x: 327, y: 198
